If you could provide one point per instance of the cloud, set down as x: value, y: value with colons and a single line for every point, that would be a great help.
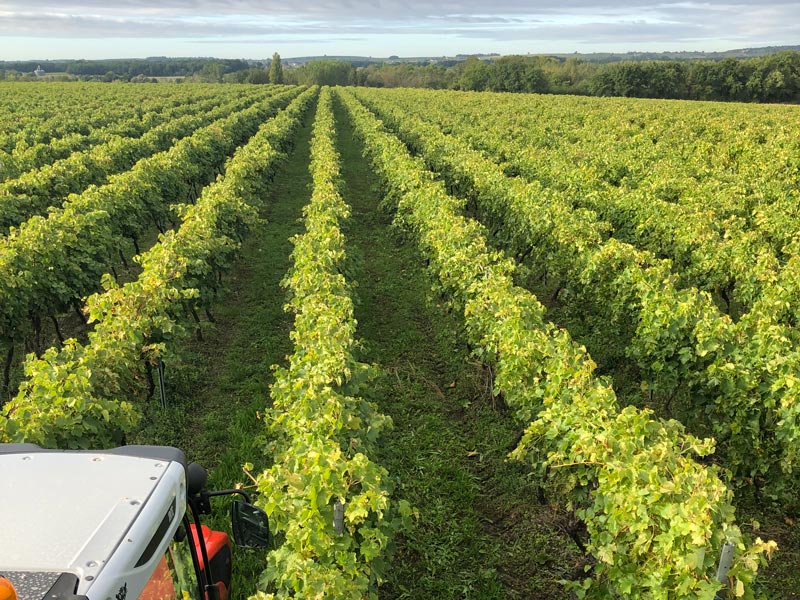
x: 626, y: 23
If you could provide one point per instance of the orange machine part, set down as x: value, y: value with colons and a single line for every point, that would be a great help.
x: 7, y: 591
x: 160, y: 585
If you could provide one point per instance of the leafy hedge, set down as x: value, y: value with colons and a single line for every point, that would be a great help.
x: 50, y: 262
x: 323, y: 430
x: 79, y: 396
x: 34, y: 192
x: 656, y: 518
x: 740, y: 375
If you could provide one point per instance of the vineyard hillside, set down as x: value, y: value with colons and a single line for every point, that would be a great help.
x: 457, y: 344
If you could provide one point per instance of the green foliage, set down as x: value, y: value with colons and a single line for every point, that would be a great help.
x: 656, y: 518
x: 677, y: 235
x: 323, y: 72
x: 323, y: 432
x: 255, y: 75
x: 738, y: 373
x: 516, y: 74
x: 474, y: 75
x: 646, y: 79
x: 773, y: 78
x: 35, y: 191
x: 49, y: 263
x: 276, y: 69
x: 405, y: 75
x: 43, y: 142
x: 212, y: 72
x: 77, y: 397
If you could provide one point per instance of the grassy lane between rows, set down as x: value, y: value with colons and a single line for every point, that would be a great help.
x: 481, y: 532
x: 220, y: 386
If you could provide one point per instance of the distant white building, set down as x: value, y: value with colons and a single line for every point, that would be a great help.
x: 39, y: 72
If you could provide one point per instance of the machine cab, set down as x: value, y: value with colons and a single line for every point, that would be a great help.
x: 114, y: 525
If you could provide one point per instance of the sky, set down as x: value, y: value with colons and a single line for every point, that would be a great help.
x: 48, y: 29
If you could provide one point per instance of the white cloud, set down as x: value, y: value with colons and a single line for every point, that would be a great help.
x: 569, y: 24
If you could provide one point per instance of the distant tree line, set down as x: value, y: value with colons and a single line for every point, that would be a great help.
x: 770, y: 78
x: 136, y: 70
x: 154, y: 68
x: 773, y: 78
x: 122, y: 68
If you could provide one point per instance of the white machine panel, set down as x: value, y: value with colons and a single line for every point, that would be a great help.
x: 69, y: 511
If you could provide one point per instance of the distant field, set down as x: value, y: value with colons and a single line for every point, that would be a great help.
x: 535, y: 346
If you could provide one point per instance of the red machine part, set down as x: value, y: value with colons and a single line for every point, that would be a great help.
x: 218, y: 548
